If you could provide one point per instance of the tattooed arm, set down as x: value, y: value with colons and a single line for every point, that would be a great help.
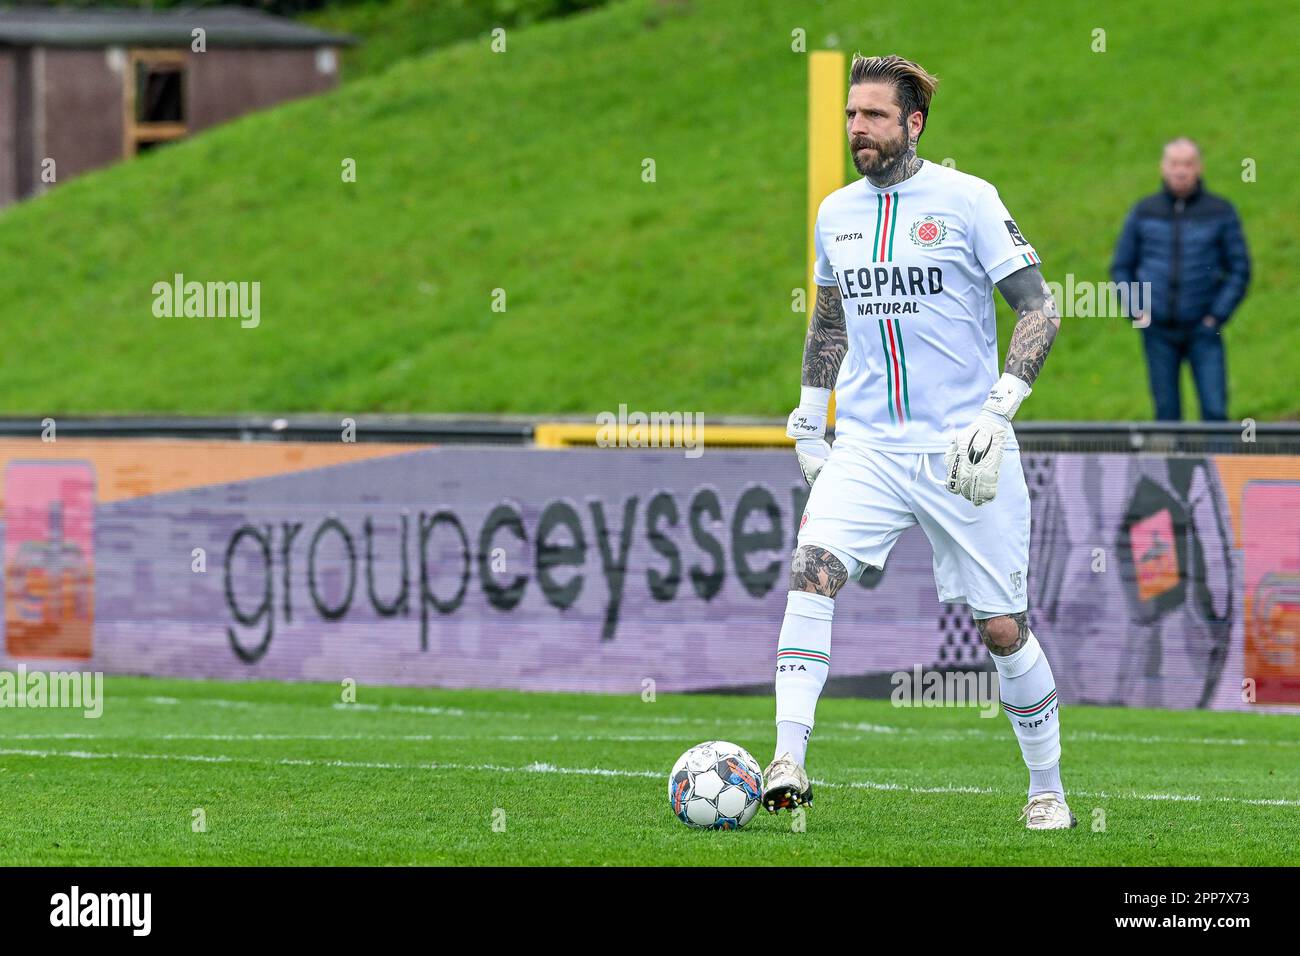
x: 1037, y: 325
x: 827, y: 341
x: 975, y: 458
x: 823, y: 353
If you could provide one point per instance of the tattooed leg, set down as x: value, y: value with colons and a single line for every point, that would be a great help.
x: 1005, y: 634
x: 817, y: 571
x: 803, y: 662
x: 1027, y: 691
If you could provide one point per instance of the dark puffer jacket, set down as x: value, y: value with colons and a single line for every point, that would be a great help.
x: 1191, y: 250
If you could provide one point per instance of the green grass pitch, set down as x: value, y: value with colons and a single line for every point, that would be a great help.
x: 287, y: 774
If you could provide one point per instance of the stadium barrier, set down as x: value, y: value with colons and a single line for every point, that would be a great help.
x: 1247, y: 438
x: 588, y: 435
x: 1155, y: 580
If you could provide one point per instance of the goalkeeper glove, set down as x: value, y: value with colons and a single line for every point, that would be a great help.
x: 807, y: 426
x: 975, y: 457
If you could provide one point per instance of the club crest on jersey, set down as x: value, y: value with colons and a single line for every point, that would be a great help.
x: 928, y: 231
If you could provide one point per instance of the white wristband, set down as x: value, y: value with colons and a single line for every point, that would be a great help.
x: 812, y: 398
x: 1006, y: 395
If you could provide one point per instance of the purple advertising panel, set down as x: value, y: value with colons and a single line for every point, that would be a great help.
x: 594, y: 570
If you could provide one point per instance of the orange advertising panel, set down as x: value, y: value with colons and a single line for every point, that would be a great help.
x: 1263, y: 493
x: 50, y: 493
x: 1271, y: 546
x: 49, y: 559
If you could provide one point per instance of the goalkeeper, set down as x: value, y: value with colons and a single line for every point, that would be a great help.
x: 904, y: 331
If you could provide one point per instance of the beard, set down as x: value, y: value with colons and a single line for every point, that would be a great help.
x: 889, y: 154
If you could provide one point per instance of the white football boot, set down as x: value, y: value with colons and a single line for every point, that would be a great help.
x: 785, y: 785
x: 1045, y: 811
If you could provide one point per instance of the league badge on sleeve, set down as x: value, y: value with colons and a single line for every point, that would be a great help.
x: 1016, y: 237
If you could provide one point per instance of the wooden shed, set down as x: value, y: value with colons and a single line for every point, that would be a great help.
x: 86, y: 87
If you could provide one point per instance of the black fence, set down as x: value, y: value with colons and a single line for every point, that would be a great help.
x: 1240, y: 438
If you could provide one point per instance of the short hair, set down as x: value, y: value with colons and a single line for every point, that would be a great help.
x: 913, y: 85
x: 1183, y: 139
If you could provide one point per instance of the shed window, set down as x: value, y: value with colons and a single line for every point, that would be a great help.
x: 155, y: 99
x: 158, y: 97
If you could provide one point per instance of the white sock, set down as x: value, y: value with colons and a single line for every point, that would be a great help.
x: 1028, y: 693
x: 803, y: 659
x: 1046, y: 781
x: 792, y: 739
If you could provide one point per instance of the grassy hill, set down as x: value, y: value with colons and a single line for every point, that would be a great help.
x: 522, y: 171
x: 397, y: 29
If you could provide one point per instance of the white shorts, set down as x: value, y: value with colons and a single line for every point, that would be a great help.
x: 864, y: 498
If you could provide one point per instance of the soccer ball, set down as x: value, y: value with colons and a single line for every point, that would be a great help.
x: 715, y: 786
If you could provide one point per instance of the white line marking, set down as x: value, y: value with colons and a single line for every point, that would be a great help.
x: 871, y: 785
x: 406, y: 709
x: 541, y: 767
x: 214, y: 701
x: 350, y: 764
x: 551, y: 738
x: 721, y: 725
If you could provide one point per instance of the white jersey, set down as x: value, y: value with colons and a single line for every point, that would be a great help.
x: 915, y: 264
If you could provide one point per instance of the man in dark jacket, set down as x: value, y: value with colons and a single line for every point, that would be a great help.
x: 1188, y: 244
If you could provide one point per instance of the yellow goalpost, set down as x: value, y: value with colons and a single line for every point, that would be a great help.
x: 826, y: 80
